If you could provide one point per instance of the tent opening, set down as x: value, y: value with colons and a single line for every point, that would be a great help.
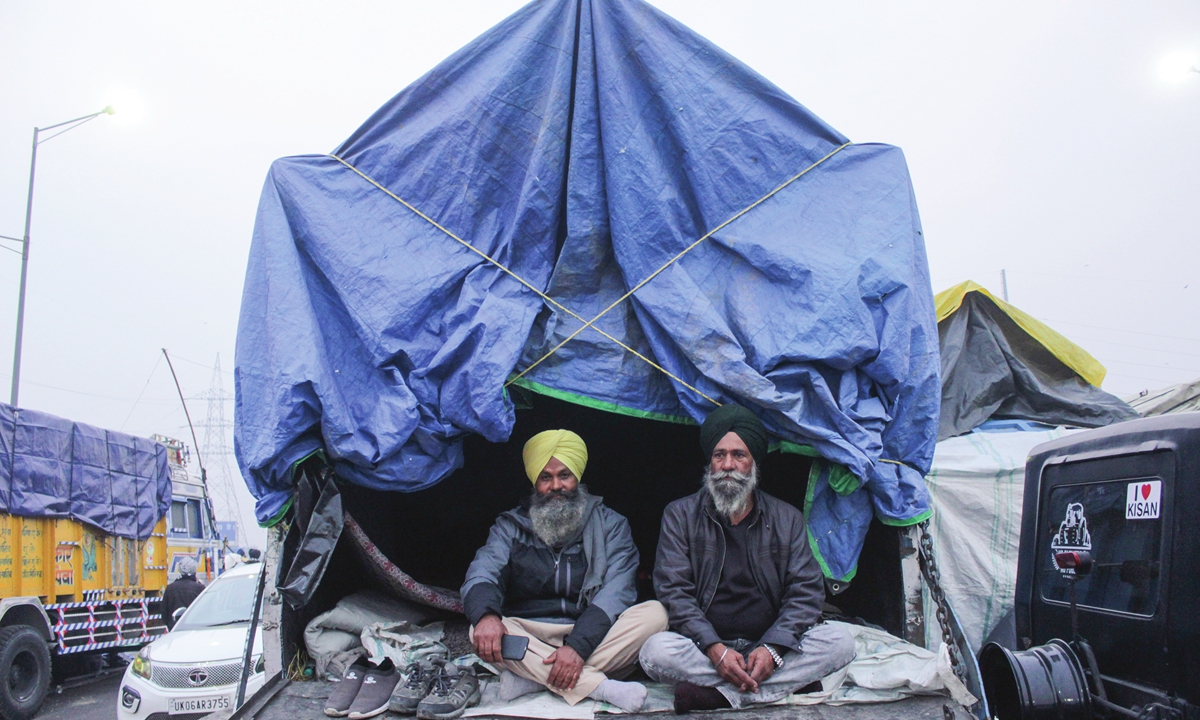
x: 637, y: 465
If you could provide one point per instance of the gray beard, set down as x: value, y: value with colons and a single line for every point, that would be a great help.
x: 731, y: 490
x: 557, y: 515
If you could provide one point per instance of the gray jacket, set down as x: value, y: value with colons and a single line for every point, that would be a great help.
x: 516, y: 574
x: 691, y: 555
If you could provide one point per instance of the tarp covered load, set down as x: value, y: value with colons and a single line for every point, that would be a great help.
x: 596, y: 203
x: 999, y: 362
x: 1184, y: 397
x: 55, y: 468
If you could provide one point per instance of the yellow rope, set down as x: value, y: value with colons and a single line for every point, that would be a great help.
x: 521, y: 280
x: 685, y: 251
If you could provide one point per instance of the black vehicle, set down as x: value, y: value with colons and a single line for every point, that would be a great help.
x: 1108, y: 581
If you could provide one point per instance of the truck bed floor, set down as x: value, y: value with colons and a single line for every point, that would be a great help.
x: 296, y: 700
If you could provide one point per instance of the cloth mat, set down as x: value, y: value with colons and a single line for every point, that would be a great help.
x: 885, y: 669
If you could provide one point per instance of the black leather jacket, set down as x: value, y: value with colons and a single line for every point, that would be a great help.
x: 691, y: 554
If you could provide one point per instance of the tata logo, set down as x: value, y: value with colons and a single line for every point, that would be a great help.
x: 197, y: 677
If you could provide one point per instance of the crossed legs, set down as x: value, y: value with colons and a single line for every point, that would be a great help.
x: 672, y: 658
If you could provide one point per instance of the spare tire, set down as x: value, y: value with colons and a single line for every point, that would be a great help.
x: 24, y: 672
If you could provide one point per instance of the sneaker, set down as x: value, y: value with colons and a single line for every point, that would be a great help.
x: 377, y: 687
x: 409, y: 694
x: 454, y: 689
x: 344, y: 692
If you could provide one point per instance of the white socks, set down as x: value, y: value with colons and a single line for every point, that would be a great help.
x: 513, y: 686
x: 629, y: 696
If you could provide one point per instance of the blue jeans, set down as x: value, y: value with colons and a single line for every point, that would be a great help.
x: 671, y: 658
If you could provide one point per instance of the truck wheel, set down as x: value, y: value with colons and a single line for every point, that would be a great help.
x: 24, y: 672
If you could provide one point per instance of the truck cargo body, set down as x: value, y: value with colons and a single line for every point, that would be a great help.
x: 86, y: 549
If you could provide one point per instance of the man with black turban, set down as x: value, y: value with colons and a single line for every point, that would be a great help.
x: 741, y: 586
x: 559, y: 571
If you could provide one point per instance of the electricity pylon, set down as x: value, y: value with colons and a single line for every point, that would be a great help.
x: 216, y: 449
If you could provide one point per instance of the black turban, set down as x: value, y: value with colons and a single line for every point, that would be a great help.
x: 737, y: 419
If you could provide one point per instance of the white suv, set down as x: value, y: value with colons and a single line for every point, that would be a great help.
x: 195, y: 669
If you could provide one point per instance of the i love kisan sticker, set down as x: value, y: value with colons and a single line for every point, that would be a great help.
x: 1143, y: 500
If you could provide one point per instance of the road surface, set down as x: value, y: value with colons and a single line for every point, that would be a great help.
x: 91, y: 699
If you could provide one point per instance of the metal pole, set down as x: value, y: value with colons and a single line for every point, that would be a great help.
x: 248, y: 649
x: 212, y: 515
x: 16, y: 373
x: 1004, y: 284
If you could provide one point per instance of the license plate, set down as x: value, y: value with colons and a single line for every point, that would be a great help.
x: 203, y: 704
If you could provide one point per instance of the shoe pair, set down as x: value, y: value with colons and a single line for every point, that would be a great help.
x: 364, y: 690
x: 436, y: 691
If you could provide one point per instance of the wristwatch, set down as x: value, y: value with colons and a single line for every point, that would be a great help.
x: 774, y: 655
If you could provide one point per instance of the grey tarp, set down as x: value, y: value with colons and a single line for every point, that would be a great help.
x: 992, y: 368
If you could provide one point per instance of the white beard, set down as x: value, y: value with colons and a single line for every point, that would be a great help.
x: 557, y: 518
x: 730, y: 490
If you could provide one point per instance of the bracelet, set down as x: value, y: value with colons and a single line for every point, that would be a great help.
x: 774, y: 655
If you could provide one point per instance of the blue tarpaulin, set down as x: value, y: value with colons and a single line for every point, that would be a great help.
x: 55, y: 468
x: 525, y: 186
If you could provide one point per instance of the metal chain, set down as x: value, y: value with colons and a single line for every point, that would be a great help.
x: 934, y: 580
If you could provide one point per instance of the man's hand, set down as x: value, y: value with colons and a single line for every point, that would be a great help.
x: 486, y: 637
x: 760, y: 664
x: 567, y: 667
x: 731, y: 666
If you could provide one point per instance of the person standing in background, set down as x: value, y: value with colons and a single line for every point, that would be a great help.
x: 180, y: 593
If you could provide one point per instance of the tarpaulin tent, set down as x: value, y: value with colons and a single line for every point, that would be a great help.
x: 591, y: 202
x: 1009, y: 383
x: 55, y: 468
x: 999, y: 362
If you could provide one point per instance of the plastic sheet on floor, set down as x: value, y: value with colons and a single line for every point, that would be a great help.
x: 885, y: 669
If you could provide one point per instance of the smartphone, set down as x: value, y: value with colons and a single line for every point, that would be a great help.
x: 513, y: 647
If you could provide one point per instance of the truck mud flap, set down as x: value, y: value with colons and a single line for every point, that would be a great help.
x: 321, y: 528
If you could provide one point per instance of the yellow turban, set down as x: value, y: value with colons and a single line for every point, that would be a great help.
x: 569, y: 448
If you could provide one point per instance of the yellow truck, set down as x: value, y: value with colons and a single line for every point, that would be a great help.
x: 92, y: 523
x: 188, y: 528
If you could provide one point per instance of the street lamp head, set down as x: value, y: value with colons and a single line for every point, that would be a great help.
x: 109, y: 110
x: 1178, y: 66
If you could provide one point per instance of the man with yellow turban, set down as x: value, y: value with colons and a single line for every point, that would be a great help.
x: 559, y: 570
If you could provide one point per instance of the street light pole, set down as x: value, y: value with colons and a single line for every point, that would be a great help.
x: 68, y: 125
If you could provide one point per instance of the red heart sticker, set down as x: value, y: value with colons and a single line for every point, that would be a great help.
x: 1145, y: 492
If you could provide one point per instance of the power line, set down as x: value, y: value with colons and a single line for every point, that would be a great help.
x: 206, y: 366
x: 89, y: 394
x: 1150, y: 365
x: 1139, y: 347
x: 1139, y: 377
x: 1133, y: 332
x: 139, y: 397
x: 1159, y: 284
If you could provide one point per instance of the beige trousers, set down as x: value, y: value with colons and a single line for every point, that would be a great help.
x: 618, y: 650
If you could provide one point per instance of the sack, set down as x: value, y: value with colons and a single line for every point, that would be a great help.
x: 404, y: 643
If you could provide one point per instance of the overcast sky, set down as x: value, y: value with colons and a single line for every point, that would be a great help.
x: 1040, y: 137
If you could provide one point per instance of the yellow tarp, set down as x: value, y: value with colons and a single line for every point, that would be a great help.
x: 1089, y: 368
